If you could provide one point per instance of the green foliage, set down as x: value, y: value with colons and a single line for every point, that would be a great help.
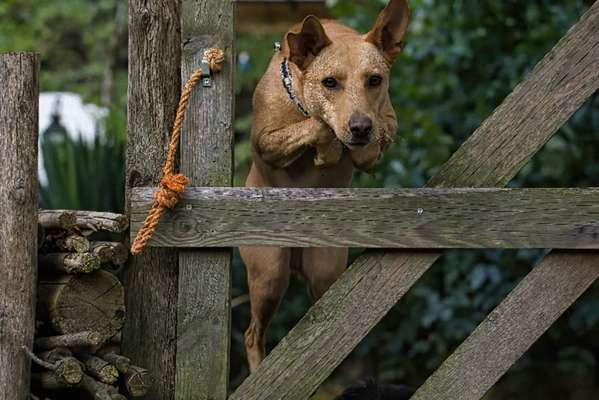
x: 87, y: 176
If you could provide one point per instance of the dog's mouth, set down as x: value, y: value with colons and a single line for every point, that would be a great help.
x: 358, y: 143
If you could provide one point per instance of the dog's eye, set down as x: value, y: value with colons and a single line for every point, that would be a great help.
x: 330, y: 83
x: 375, y: 80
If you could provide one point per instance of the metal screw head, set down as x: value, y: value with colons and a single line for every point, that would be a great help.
x: 207, y: 82
x: 420, y: 211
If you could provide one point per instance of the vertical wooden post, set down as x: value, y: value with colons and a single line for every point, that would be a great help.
x: 18, y: 226
x: 149, y: 335
x: 203, y: 315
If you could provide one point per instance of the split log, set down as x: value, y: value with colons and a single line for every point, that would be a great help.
x: 77, y: 303
x: 70, y: 263
x: 99, y: 368
x: 73, y: 242
x: 110, y: 252
x: 57, y: 219
x: 81, y: 339
x: 137, y: 381
x: 98, y: 390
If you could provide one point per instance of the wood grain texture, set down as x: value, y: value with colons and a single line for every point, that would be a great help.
x: 378, y: 218
x: 150, y: 280
x: 470, y: 167
x: 203, y: 312
x: 509, y: 330
x: 19, y: 80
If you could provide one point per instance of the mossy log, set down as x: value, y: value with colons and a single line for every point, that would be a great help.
x: 99, y: 368
x: 137, y: 381
x: 110, y: 252
x: 111, y: 354
x: 77, y: 303
x: 71, y: 340
x: 70, y: 263
x: 72, y: 242
x: 57, y: 219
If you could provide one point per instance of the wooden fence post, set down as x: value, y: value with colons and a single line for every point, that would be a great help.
x: 18, y: 225
x: 203, y: 314
x: 149, y: 335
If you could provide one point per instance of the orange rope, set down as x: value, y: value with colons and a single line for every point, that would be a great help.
x: 171, y: 185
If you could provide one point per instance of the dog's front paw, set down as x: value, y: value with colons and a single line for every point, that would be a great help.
x: 364, y: 158
x: 328, y: 154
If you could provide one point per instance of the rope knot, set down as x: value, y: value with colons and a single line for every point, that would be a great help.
x: 215, y: 57
x: 169, y: 192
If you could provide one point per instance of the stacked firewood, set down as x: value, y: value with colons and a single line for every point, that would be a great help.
x: 81, y: 309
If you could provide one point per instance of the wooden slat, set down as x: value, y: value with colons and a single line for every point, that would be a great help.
x: 577, y: 51
x: 507, y: 332
x: 379, y: 218
x: 203, y: 312
x: 19, y: 104
x: 150, y: 279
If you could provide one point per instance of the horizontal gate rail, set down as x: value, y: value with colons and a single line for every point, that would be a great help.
x: 493, y: 155
x: 378, y: 218
x: 508, y: 331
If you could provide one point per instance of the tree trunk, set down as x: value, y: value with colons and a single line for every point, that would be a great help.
x: 77, y: 303
x: 149, y: 335
x: 18, y: 225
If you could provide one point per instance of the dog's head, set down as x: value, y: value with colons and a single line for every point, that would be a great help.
x: 346, y: 75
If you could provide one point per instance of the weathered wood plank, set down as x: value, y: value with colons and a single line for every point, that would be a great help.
x: 509, y: 330
x: 378, y: 218
x: 19, y: 80
x: 150, y: 280
x: 203, y: 313
x: 326, y: 350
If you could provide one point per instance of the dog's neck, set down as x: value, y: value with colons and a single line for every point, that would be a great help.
x: 287, y: 80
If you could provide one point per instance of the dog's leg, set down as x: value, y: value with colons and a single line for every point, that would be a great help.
x: 321, y: 267
x: 268, y: 272
x: 283, y: 146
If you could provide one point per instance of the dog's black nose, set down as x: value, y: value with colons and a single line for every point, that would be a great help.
x: 360, y: 127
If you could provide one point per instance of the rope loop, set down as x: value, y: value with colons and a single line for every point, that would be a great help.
x: 172, y: 185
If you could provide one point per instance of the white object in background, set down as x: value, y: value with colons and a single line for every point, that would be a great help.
x: 81, y: 121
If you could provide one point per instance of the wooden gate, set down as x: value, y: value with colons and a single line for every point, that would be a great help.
x: 434, y: 218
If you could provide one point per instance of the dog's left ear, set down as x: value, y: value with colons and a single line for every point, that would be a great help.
x: 305, y: 45
x: 390, y: 28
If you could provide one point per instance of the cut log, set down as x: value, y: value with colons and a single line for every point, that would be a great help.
x: 70, y: 263
x: 97, y: 390
x: 101, y: 221
x: 110, y: 354
x: 57, y: 219
x: 72, y: 340
x: 77, y: 303
x: 110, y: 252
x: 73, y: 242
x: 69, y: 370
x: 99, y: 368
x: 137, y: 381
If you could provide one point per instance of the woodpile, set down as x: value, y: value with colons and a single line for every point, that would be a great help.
x: 81, y: 310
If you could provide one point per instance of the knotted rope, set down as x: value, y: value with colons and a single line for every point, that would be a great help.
x: 172, y: 185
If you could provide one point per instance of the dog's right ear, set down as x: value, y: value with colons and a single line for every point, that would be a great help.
x: 308, y: 43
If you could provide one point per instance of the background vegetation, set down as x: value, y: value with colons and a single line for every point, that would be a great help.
x: 462, y: 58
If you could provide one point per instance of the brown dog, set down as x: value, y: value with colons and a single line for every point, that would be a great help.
x: 321, y: 109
